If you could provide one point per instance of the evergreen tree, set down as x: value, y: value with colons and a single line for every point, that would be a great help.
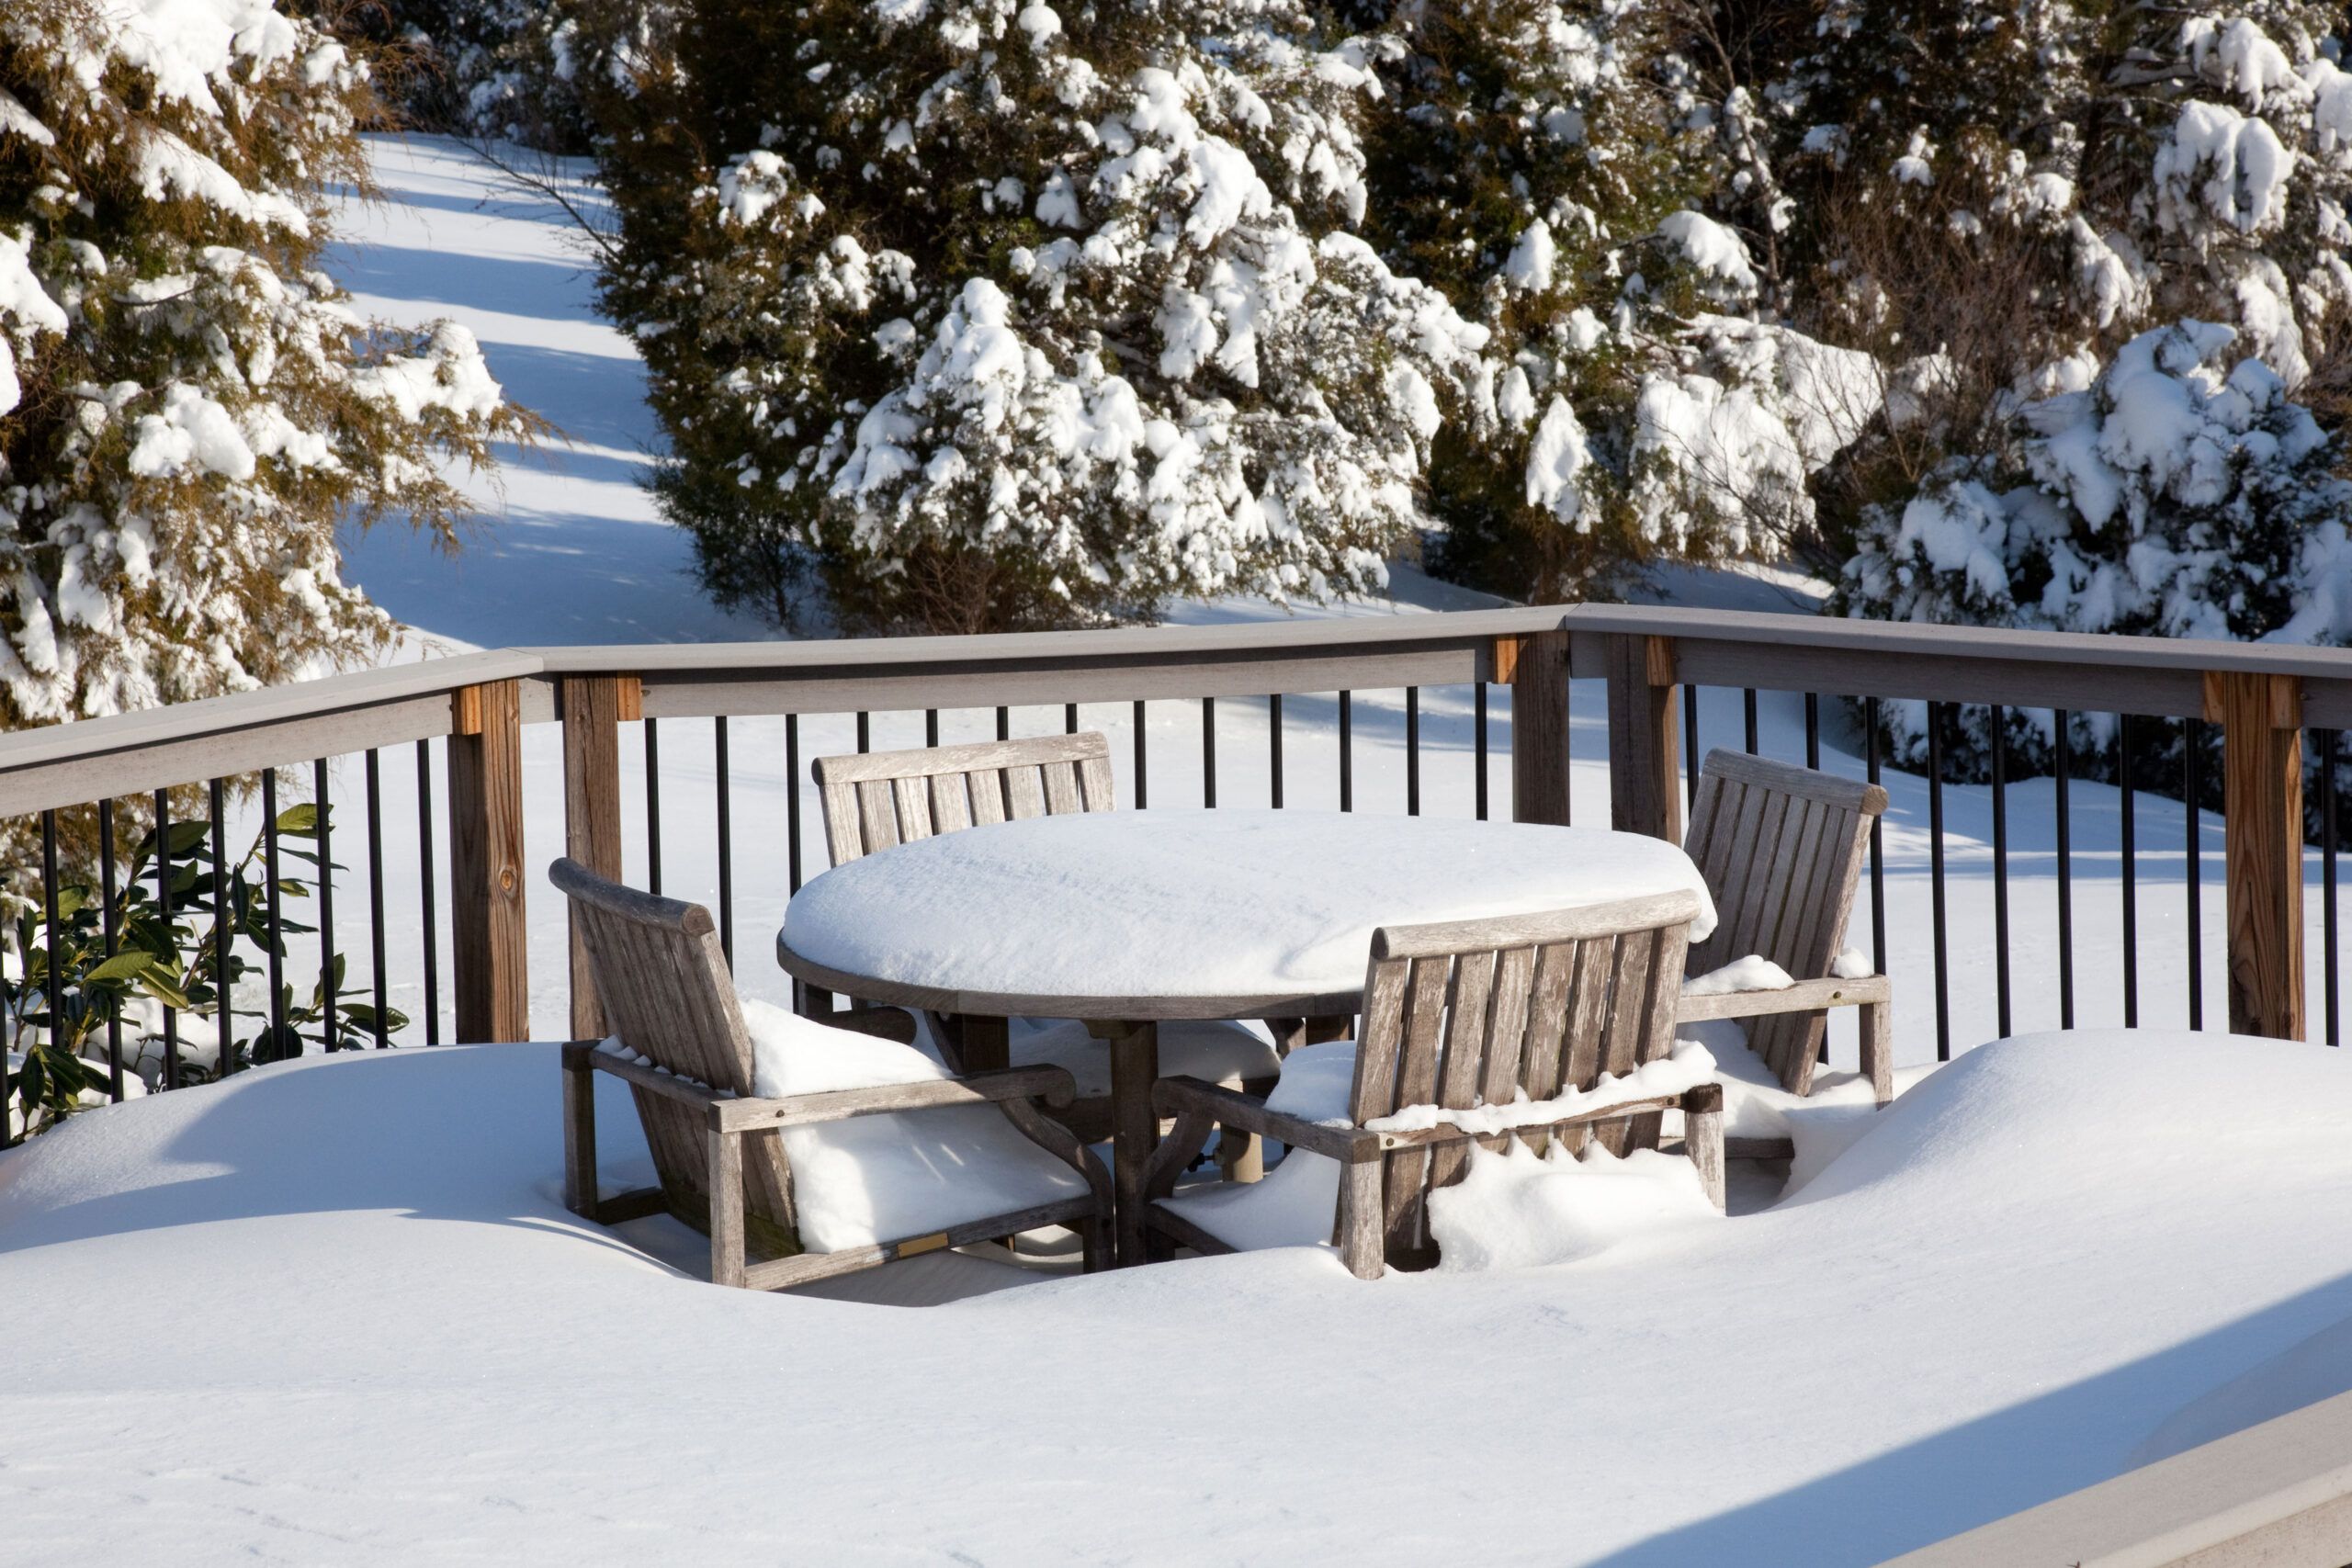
x: 1006, y: 316
x: 189, y: 406
x: 2150, y: 237
x: 1521, y: 161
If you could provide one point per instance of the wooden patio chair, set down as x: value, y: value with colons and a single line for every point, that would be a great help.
x: 720, y: 1151
x: 1458, y: 1015
x: 1781, y: 848
x: 874, y: 800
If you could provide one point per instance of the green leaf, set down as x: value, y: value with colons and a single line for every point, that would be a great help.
x: 121, y: 966
x: 299, y: 821
x: 164, y: 991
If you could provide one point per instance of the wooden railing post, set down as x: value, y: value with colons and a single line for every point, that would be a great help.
x: 1536, y: 669
x: 486, y: 927
x: 594, y: 709
x: 2262, y: 804
x: 1644, y: 750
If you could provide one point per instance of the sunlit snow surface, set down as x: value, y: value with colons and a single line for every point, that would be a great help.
x: 336, y: 1312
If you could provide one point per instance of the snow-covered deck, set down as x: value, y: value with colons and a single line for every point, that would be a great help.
x: 337, y: 1309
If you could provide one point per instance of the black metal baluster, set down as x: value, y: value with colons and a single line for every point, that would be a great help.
x: 376, y: 896
x: 931, y: 727
x: 792, y: 793
x: 726, y: 837
x: 164, y: 913
x: 1936, y: 876
x: 319, y: 791
x: 1070, y: 719
x: 50, y: 921
x: 865, y: 729
x: 1347, y: 752
x: 224, y: 932
x: 2193, y: 770
x: 2131, y: 864
x: 425, y: 867
x: 109, y: 920
x: 2001, y: 867
x: 1690, y: 747
x: 275, y: 955
x: 1003, y: 725
x: 1872, y: 770
x: 1747, y: 719
x: 652, y: 806
x: 1412, y: 751
x: 2330, y: 741
x: 1142, y: 728
x: 1479, y: 753
x: 1208, y: 751
x: 1274, y: 743
x: 1812, y: 730
x: 2066, y: 870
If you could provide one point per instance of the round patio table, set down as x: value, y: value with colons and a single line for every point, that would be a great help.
x: 1130, y: 918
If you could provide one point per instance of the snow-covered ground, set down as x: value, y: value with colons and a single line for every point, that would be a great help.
x: 336, y: 1312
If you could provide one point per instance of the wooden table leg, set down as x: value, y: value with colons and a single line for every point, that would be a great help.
x: 973, y: 1044
x: 1135, y: 1130
x: 987, y: 1045
x: 1320, y: 1031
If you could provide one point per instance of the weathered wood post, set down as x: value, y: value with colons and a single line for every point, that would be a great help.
x: 486, y: 928
x: 594, y: 709
x: 1536, y: 669
x: 2262, y: 804
x: 1644, y: 788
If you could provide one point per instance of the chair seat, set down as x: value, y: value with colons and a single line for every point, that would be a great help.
x: 1293, y: 1206
x: 1214, y: 1050
x: 876, y: 1179
x: 1296, y: 1204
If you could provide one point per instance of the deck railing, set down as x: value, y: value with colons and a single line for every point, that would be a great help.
x: 1511, y: 669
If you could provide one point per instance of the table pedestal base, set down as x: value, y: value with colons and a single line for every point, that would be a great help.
x: 1135, y: 1129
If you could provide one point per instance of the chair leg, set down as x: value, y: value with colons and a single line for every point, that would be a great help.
x: 1358, y: 1231
x: 725, y: 1193
x: 1702, y: 1139
x: 1095, y: 1244
x: 1878, y: 1049
x: 579, y: 1130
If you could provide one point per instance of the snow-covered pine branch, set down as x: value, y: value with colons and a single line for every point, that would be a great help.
x: 190, y: 407
x: 1012, y: 317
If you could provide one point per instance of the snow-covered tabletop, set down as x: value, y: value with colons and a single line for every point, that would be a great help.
x: 1176, y: 914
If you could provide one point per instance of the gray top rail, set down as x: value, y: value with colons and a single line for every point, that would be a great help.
x: 70, y: 763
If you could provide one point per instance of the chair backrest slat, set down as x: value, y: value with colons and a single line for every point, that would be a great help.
x: 1469, y: 1012
x: 1781, y: 848
x: 1540, y: 1062
x: 666, y: 993
x: 1514, y: 990
x: 877, y: 814
x: 1461, y: 1080
x: 875, y: 799
x: 910, y: 800
x: 951, y: 802
x: 1026, y: 791
x: 1417, y: 1081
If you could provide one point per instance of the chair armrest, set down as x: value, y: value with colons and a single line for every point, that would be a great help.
x: 1050, y: 1084
x: 1172, y: 1097
x: 1806, y: 995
